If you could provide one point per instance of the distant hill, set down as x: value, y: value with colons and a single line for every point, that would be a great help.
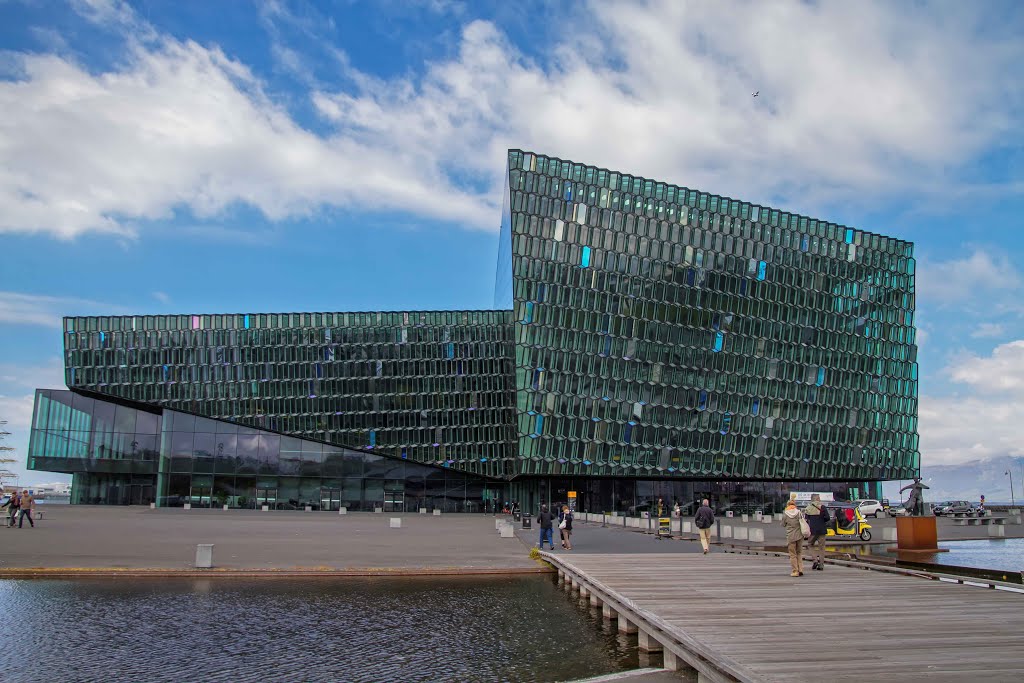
x: 969, y: 481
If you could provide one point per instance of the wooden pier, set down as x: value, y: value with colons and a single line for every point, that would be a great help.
x: 739, y: 617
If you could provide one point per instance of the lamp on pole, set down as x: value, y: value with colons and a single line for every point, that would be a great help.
x: 1012, y: 501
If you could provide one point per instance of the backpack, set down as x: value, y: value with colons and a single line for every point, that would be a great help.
x: 805, y: 528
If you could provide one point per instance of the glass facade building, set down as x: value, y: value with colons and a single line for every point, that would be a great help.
x: 648, y: 340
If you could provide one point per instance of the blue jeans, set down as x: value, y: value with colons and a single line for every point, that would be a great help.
x: 546, y: 534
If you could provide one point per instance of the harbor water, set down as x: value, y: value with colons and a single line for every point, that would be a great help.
x: 239, y: 630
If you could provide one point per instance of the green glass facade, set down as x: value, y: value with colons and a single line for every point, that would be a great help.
x: 663, y: 331
x: 647, y: 340
x: 428, y: 386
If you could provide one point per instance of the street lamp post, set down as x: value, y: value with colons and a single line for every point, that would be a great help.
x: 1012, y: 501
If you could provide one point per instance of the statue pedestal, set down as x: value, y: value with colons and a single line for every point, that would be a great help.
x: 917, y: 534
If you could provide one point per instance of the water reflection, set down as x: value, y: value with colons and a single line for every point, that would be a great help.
x: 477, y: 629
x: 1002, y: 554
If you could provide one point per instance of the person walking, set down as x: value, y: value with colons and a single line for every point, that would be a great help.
x: 13, y: 505
x: 565, y: 526
x: 791, y: 519
x: 28, y: 504
x: 544, y: 524
x: 817, y: 519
x: 704, y: 520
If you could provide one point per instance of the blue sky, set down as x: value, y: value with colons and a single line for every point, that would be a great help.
x: 273, y: 156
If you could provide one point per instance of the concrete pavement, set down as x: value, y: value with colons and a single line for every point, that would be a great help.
x: 140, y: 538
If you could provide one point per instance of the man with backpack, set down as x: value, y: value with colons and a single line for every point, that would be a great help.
x: 704, y: 520
x: 544, y: 523
x: 817, y: 519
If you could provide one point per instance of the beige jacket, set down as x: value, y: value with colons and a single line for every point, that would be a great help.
x: 28, y: 502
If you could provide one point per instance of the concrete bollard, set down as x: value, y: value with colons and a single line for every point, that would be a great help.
x: 342, y: 511
x: 756, y: 535
x: 152, y: 506
x: 437, y: 513
x: 767, y: 519
x: 745, y: 518
x: 507, y: 531
x: 758, y: 516
x: 396, y: 522
x: 265, y: 508
x: 778, y: 516
x: 498, y: 523
x: 225, y: 506
x: 726, y: 531
x: 204, y: 556
x: 423, y: 511
x: 687, y: 527
x: 378, y: 510
x: 740, y: 533
x: 996, y: 531
x: 889, y: 534
x: 309, y: 508
x: 188, y: 506
x: 1013, y: 519
x: 728, y: 513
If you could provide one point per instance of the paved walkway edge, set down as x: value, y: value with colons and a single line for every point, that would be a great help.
x: 108, y: 572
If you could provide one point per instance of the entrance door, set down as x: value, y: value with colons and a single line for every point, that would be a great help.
x: 266, y: 497
x: 200, y: 496
x: 330, y: 499
x: 394, y: 501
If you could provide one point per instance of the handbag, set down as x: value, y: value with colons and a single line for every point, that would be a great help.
x: 561, y: 525
x: 805, y: 528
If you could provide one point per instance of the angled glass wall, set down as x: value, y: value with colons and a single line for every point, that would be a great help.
x: 664, y: 331
x: 427, y: 386
x: 120, y: 454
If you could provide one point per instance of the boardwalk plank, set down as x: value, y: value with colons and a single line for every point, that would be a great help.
x: 747, y: 609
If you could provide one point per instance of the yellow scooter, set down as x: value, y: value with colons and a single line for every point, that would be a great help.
x: 842, y: 527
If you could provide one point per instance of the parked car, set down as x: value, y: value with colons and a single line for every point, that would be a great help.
x: 940, y: 508
x: 962, y: 507
x: 898, y: 510
x: 869, y: 507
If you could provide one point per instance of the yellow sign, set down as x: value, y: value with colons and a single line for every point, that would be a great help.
x: 572, y: 494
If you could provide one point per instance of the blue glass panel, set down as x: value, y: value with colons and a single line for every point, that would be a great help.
x: 755, y: 407
x: 539, y: 429
x: 373, y: 438
x: 762, y: 269
x: 702, y: 401
x: 821, y: 377
x: 849, y: 236
x: 528, y: 316
x: 568, y: 191
x: 585, y: 257
x: 726, y: 423
x: 246, y: 321
x: 804, y: 242
x: 627, y: 434
x: 719, y: 340
x: 450, y: 350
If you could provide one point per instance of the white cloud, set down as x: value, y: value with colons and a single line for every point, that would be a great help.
x: 1003, y: 371
x: 984, y: 421
x: 162, y: 297
x: 857, y: 99
x: 987, y: 330
x: 972, y: 278
x: 17, y: 308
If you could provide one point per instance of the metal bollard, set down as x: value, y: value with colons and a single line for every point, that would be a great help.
x: 204, y: 556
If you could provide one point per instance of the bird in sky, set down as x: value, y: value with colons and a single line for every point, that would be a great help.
x: 756, y: 93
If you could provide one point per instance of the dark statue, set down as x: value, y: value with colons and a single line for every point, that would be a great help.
x: 915, y: 504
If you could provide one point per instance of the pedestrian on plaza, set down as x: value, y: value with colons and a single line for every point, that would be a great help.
x: 817, y: 519
x: 676, y: 511
x: 28, y: 504
x: 661, y: 507
x: 791, y: 519
x: 544, y: 524
x: 565, y: 526
x: 13, y: 505
x: 704, y: 520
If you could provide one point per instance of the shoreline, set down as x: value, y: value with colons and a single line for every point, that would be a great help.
x: 367, y: 572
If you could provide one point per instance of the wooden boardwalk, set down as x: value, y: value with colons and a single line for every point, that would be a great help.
x: 744, y: 618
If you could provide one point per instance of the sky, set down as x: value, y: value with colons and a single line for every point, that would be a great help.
x: 287, y: 155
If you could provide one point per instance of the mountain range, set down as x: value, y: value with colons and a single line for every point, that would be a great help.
x: 969, y: 481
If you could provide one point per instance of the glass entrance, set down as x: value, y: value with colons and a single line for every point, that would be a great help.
x: 394, y: 501
x: 330, y: 499
x: 266, y: 497
x: 199, y: 496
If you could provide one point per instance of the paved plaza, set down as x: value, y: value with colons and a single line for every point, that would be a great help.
x: 137, y: 538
